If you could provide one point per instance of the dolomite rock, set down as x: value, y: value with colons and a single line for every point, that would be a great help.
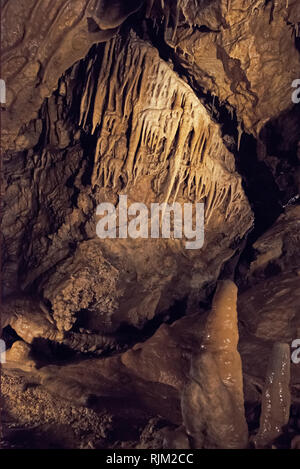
x: 106, y: 385
x: 279, y: 139
x: 213, y: 399
x: 31, y: 320
x: 88, y: 273
x: 276, y: 398
x: 165, y: 357
x: 231, y: 56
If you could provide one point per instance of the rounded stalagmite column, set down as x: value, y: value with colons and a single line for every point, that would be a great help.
x: 213, y: 399
x: 276, y: 396
x: 221, y: 339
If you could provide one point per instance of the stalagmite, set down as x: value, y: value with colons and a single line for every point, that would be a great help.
x: 20, y: 355
x: 276, y: 397
x: 213, y: 399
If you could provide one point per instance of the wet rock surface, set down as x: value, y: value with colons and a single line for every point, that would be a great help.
x: 186, y: 101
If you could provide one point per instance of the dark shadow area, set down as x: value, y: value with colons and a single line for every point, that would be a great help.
x: 130, y: 335
x: 9, y: 336
x: 46, y: 352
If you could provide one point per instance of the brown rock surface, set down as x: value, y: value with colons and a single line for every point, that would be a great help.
x: 64, y: 252
x: 40, y: 41
x: 241, y: 52
x: 162, y: 101
x: 278, y: 248
x: 213, y: 399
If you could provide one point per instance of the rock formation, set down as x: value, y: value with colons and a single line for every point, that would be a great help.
x: 276, y: 399
x: 213, y: 399
x: 162, y: 101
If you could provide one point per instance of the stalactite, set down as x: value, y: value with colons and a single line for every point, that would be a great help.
x: 176, y: 20
x: 86, y: 101
x: 168, y: 124
x: 98, y: 107
x: 95, y: 174
x: 276, y: 397
x: 149, y: 8
x: 240, y: 133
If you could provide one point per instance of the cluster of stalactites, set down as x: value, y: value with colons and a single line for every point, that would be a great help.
x: 149, y: 122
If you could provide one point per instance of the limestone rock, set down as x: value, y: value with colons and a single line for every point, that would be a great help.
x: 63, y: 208
x: 159, y: 359
x: 186, y: 101
x: 40, y: 42
x: 20, y: 356
x: 228, y: 46
x: 208, y: 409
x: 278, y: 249
x: 270, y: 309
x: 30, y: 319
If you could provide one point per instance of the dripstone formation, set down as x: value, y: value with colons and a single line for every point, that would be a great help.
x: 140, y: 342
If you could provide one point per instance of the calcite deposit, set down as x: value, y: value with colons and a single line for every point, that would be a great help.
x: 139, y: 342
x: 213, y: 400
x: 276, y: 399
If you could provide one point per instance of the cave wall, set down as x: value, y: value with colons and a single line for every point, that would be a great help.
x: 163, y: 101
